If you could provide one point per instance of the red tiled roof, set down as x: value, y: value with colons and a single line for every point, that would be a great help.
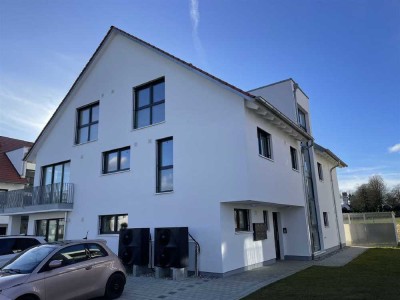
x: 7, y: 171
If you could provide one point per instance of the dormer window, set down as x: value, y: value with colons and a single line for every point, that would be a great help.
x: 302, y: 120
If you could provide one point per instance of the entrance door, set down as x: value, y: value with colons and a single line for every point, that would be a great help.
x: 276, y: 235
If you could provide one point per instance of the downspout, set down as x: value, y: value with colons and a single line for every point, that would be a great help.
x: 334, y: 202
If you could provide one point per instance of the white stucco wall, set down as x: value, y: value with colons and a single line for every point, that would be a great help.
x: 206, y: 123
x: 268, y: 179
x: 326, y: 203
x: 281, y: 96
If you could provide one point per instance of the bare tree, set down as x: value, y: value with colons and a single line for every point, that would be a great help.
x: 370, y: 196
x: 360, y: 199
x: 393, y: 198
x: 376, y: 192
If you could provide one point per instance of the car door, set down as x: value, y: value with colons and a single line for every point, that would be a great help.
x: 72, y: 279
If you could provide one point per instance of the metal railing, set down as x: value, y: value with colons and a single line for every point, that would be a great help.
x: 39, y: 195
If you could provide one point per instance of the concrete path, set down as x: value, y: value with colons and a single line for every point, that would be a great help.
x: 341, y: 258
x: 229, y: 288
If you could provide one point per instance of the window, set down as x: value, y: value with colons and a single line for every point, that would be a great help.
x: 111, y: 224
x: 326, y: 220
x: 96, y: 250
x: 71, y: 255
x: 116, y: 160
x: 264, y: 143
x: 150, y: 104
x: 293, y: 155
x: 165, y: 165
x: 242, y: 220
x: 87, y: 125
x: 16, y: 245
x: 30, y: 177
x: 51, y: 229
x: 320, y: 172
x: 302, y: 119
x: 266, y: 220
x: 57, y: 173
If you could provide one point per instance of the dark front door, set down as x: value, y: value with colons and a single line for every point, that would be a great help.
x: 276, y: 235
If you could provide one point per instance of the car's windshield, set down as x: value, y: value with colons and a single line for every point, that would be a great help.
x: 27, y: 261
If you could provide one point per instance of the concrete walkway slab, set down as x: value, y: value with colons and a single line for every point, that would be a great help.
x: 342, y: 258
x: 228, y: 288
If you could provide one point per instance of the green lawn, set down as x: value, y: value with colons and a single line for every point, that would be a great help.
x: 373, y: 275
x: 398, y: 220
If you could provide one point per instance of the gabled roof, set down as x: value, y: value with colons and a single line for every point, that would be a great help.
x: 329, y: 153
x: 8, y: 173
x: 113, y: 30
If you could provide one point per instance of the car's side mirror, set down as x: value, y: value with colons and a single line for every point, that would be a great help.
x: 55, y: 264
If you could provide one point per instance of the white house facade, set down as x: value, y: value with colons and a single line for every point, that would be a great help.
x: 146, y: 139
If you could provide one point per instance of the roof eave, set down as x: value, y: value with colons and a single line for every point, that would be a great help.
x: 319, y: 148
x: 271, y: 113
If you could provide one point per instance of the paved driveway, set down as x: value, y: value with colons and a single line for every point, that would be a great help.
x: 232, y: 287
x: 229, y: 288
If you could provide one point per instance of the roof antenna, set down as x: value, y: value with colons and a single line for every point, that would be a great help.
x: 85, y: 238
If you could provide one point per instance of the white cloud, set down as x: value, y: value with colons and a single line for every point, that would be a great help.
x: 26, y: 108
x: 348, y: 182
x: 195, y: 18
x: 394, y: 148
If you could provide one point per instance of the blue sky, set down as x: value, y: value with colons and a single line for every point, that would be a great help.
x: 344, y: 54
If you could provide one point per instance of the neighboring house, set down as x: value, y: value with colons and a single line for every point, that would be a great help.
x: 15, y: 173
x: 147, y: 139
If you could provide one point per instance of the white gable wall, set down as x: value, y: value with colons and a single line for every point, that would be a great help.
x: 281, y: 96
x: 206, y: 123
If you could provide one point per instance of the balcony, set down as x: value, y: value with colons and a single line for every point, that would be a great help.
x: 52, y: 197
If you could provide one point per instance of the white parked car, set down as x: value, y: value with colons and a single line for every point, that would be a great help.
x: 11, y: 245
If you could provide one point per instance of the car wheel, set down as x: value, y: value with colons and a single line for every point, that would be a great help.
x: 115, y: 286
